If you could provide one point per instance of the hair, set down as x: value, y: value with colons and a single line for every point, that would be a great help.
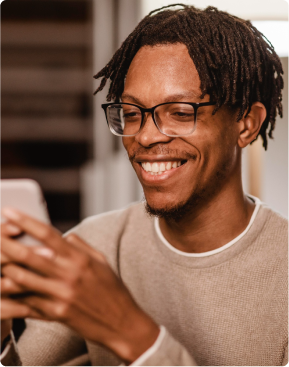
x: 236, y: 63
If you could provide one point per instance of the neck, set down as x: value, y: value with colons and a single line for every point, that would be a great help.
x: 211, y: 224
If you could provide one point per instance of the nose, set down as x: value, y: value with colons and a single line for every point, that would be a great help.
x: 149, y: 134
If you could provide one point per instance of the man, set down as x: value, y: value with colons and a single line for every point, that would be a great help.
x: 202, y: 279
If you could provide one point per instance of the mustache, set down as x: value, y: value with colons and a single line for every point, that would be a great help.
x: 162, y: 150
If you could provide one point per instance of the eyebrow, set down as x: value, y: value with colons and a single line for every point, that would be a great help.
x: 171, y: 98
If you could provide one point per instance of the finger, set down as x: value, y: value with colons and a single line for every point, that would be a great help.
x: 11, y: 309
x: 4, y: 259
x: 9, y: 287
x: 33, y: 282
x: 81, y: 245
x: 39, y: 230
x: 38, y: 258
x: 9, y: 229
x: 50, y: 309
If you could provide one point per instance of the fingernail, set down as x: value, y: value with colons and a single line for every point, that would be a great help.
x: 44, y: 251
x: 12, y: 229
x: 11, y: 214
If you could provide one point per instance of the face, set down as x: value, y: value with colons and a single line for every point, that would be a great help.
x: 193, y: 168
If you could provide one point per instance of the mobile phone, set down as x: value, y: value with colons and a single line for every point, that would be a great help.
x: 26, y: 196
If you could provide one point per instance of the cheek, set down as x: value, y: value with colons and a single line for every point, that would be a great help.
x: 216, y: 148
x: 128, y: 143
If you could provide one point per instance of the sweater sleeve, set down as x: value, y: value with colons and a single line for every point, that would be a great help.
x: 44, y: 344
x: 166, y: 351
x: 10, y: 356
x: 285, y: 357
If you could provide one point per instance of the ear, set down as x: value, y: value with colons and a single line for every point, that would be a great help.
x: 250, y: 125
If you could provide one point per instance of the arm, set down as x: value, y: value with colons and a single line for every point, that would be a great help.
x: 101, y: 309
x: 73, y: 284
x: 9, y: 354
x: 43, y: 343
x: 166, y: 351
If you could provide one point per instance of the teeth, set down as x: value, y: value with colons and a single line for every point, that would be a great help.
x: 155, y: 167
x: 158, y: 168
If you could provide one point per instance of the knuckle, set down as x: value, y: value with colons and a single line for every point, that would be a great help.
x: 72, y: 237
x: 6, y: 285
x: 102, y: 258
x: 72, y: 278
x: 68, y: 294
x: 24, y: 311
x: 45, y: 234
x: 23, y: 254
x: 20, y: 277
x: 61, y: 311
x: 84, y: 262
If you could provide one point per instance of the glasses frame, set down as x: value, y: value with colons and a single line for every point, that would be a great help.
x: 152, y: 111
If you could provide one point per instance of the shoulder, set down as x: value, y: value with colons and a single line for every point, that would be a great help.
x: 104, y: 232
x: 272, y: 240
x: 276, y: 226
x: 111, y: 222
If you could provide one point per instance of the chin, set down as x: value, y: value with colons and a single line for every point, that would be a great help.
x: 169, y: 210
x: 174, y: 208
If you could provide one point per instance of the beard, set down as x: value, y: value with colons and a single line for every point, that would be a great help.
x: 176, y: 212
x: 200, y: 197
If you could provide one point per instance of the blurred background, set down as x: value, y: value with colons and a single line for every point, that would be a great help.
x: 53, y: 129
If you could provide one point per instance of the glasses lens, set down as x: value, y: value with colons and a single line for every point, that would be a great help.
x: 124, y: 119
x: 175, y: 118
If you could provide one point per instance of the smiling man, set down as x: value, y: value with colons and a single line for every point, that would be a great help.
x: 197, y: 275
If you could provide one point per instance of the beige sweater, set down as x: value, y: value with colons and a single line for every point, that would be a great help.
x: 227, y: 308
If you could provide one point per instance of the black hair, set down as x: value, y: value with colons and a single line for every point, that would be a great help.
x: 236, y: 63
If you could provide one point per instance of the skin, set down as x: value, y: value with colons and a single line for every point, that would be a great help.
x: 67, y: 276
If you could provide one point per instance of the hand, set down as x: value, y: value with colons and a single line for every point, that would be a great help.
x: 7, y: 230
x: 72, y: 283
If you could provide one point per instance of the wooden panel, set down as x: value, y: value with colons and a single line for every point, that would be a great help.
x: 45, y: 10
x: 46, y: 129
x: 45, y: 105
x: 52, y: 180
x: 46, y: 81
x: 63, y: 206
x: 45, y: 34
x: 44, y: 154
x: 46, y: 98
x: 45, y: 57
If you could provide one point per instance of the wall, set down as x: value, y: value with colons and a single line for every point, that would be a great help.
x: 275, y: 163
x: 248, y: 9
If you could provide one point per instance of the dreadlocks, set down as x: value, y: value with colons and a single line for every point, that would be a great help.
x: 236, y: 63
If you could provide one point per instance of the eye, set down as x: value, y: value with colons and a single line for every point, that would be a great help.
x: 182, y: 115
x: 131, y: 114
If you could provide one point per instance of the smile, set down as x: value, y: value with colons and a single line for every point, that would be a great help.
x: 157, y: 168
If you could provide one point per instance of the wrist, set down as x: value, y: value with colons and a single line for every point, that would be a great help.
x: 6, y: 327
x: 137, y: 337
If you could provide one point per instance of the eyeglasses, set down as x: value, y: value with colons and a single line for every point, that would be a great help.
x: 171, y: 118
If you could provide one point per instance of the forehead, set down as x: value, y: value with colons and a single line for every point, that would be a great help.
x: 156, y: 72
